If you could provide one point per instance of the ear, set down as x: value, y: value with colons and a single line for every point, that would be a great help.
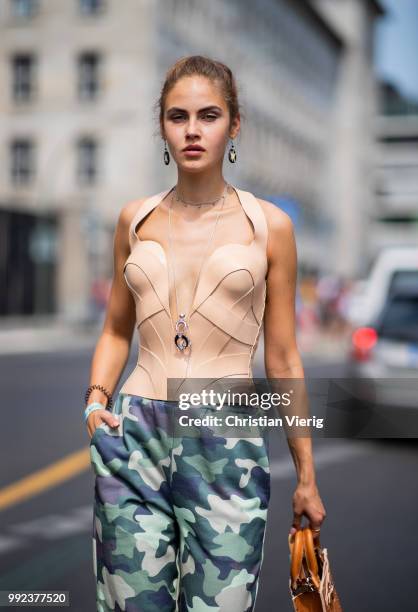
x: 235, y: 126
x: 162, y: 134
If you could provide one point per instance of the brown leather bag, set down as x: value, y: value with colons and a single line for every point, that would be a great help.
x: 311, y: 584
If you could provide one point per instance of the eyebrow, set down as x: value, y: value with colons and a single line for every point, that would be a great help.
x: 182, y: 110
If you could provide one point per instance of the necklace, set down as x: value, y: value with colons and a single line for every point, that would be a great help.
x: 197, y: 204
x: 181, y: 338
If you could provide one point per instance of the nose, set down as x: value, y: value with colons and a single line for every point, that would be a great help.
x: 192, y: 128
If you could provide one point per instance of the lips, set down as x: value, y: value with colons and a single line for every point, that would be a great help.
x: 194, y: 148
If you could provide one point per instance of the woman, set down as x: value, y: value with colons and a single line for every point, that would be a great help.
x: 197, y: 268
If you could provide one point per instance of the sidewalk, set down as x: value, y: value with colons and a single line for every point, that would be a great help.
x: 324, y: 346
x: 316, y: 347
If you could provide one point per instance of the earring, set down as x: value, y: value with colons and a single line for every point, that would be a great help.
x: 166, y: 154
x: 232, y: 154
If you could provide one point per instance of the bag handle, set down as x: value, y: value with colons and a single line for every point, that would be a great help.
x: 310, y: 556
x: 302, y: 544
x: 296, y: 550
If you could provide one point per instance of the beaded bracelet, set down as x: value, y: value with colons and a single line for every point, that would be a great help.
x: 101, y: 388
x: 91, y: 408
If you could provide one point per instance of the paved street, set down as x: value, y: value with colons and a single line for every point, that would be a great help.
x: 45, y: 536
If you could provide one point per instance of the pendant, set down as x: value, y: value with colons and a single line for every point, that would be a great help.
x: 181, y: 340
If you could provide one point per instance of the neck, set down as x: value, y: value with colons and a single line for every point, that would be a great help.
x: 200, y: 187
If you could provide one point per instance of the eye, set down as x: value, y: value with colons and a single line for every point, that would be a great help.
x: 209, y: 116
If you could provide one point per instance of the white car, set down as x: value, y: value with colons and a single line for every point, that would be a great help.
x: 393, y: 268
x: 385, y: 351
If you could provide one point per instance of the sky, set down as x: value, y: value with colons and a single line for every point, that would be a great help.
x: 397, y: 45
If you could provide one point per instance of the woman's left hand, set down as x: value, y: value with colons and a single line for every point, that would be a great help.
x: 307, y: 501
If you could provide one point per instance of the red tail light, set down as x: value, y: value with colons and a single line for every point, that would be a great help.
x: 363, y: 341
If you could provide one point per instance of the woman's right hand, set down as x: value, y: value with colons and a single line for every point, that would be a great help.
x: 97, y: 417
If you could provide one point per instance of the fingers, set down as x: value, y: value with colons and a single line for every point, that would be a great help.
x: 94, y: 420
x: 111, y: 419
x: 315, y: 520
x: 315, y: 516
x: 316, y: 530
x: 297, y: 518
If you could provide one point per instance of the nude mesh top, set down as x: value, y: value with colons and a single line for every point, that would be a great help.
x: 226, y: 315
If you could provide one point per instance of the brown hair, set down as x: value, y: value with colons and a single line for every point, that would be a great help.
x: 214, y: 70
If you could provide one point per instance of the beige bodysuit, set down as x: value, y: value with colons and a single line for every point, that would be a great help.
x: 227, y: 312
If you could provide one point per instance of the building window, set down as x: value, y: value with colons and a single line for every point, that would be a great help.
x: 23, y: 71
x: 22, y: 161
x: 91, y: 7
x: 88, y: 76
x: 87, y: 154
x: 23, y: 8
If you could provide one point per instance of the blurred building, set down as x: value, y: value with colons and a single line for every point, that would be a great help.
x: 79, y: 136
x: 395, y: 215
x: 351, y: 177
x: 75, y: 131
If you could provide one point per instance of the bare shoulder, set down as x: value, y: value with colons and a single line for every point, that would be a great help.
x: 128, y: 211
x: 280, y: 226
x: 126, y: 216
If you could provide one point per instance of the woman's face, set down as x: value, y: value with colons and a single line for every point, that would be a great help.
x: 196, y: 114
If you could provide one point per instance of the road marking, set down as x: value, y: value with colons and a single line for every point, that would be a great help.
x: 55, y: 526
x: 80, y: 461
x: 45, y: 479
x: 285, y: 468
x: 47, y: 527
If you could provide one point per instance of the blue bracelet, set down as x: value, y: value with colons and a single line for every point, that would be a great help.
x: 91, y: 408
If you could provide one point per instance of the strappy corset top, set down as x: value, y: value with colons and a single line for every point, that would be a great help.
x: 225, y: 318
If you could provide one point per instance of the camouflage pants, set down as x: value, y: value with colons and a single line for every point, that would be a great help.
x: 179, y: 522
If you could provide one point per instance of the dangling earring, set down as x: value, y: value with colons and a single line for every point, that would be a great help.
x: 166, y: 154
x: 232, y: 154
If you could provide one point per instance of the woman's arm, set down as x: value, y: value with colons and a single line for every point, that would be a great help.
x: 112, y: 349
x: 281, y: 355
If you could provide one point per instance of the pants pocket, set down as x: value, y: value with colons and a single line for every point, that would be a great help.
x: 96, y: 432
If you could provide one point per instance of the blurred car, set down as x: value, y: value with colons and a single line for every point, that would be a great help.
x: 386, y: 350
x: 392, y: 269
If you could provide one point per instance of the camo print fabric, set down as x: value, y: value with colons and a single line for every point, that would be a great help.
x: 179, y: 522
